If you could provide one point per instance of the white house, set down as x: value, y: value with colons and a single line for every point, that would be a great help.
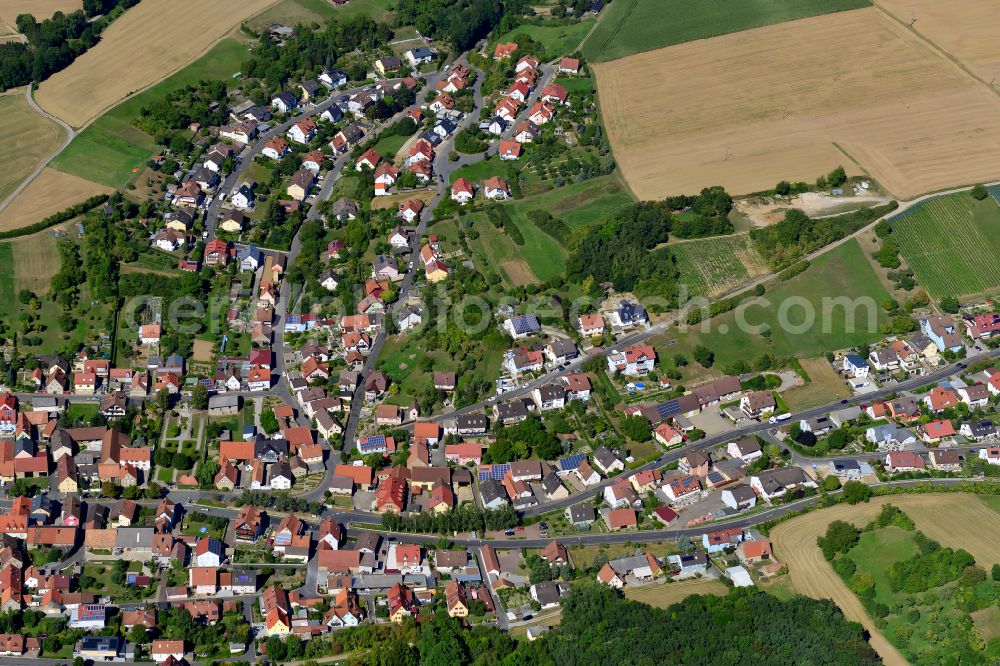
x: 855, y: 366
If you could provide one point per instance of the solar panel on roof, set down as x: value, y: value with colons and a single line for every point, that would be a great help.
x: 495, y: 472
x: 715, y: 477
x: 571, y: 462
x: 667, y: 409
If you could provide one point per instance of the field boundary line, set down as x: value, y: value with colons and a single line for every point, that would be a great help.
x: 70, y: 135
x: 934, y: 47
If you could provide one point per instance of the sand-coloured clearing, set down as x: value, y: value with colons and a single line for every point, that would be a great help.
x: 148, y: 42
x: 792, y: 101
x: 955, y: 520
x: 51, y: 192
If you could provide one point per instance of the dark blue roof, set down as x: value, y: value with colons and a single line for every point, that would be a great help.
x: 496, y: 472
x: 372, y: 442
x: 525, y: 324
x: 571, y: 462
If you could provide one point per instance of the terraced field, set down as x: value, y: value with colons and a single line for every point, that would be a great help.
x: 952, y: 243
x: 714, y: 266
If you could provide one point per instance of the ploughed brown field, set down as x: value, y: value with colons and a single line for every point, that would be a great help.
x: 794, y: 100
x: 148, y: 42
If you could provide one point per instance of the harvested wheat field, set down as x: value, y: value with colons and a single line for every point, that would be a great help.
x: 788, y: 101
x: 28, y: 138
x: 956, y: 520
x: 966, y: 29
x: 40, y: 9
x: 150, y: 41
x: 51, y: 192
x: 36, y: 258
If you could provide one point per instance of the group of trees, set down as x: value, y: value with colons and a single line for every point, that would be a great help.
x: 620, y: 251
x: 784, y: 243
x: 933, y: 566
x: 204, y: 103
x: 466, y: 518
x: 522, y: 440
x: 600, y: 627
x: 303, y: 55
x: 55, y: 43
x: 459, y: 22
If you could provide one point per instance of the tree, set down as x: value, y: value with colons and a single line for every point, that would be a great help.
x: 276, y: 650
x: 636, y: 428
x: 138, y: 634
x: 163, y: 400
x: 855, y: 491
x: 782, y: 188
x: 995, y: 572
x: 268, y: 421
x: 949, y: 304
x: 704, y: 356
x: 199, y: 397
x: 840, y: 537
x: 979, y: 192
x: 837, y: 177
x: 831, y: 482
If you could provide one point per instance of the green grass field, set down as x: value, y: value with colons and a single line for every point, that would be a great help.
x: 109, y: 149
x: 390, y: 145
x: 556, y: 40
x: 493, y: 246
x: 574, y: 84
x: 7, y: 282
x: 842, y: 272
x: 634, y: 26
x: 952, y: 243
x: 480, y: 171
x: 580, y: 204
x: 712, y: 266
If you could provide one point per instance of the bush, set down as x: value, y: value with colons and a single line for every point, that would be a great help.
x: 979, y: 192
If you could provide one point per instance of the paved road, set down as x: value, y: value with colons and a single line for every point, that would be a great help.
x: 253, y: 150
x: 756, y: 428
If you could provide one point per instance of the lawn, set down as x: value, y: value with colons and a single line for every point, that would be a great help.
x: 7, y: 275
x: 498, y: 251
x: 574, y: 84
x: 81, y: 411
x: 110, y: 148
x: 878, y: 549
x: 545, y: 256
x: 841, y: 272
x: 402, y: 355
x: 713, y: 266
x: 661, y: 596
x: 952, y: 243
x: 480, y: 171
x: 390, y: 145
x: 633, y: 26
x: 557, y: 41
x: 824, y: 386
x: 377, y: 9
x: 580, y: 204
x: 293, y: 12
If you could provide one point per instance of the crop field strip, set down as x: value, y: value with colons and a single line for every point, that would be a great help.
x: 907, y: 114
x: 945, y: 243
x: 713, y: 266
x: 634, y: 26
x: 147, y: 43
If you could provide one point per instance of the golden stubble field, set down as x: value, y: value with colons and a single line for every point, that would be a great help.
x: 51, y: 192
x: 966, y: 29
x: 150, y: 41
x: 955, y: 520
x: 787, y: 101
x: 40, y: 9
